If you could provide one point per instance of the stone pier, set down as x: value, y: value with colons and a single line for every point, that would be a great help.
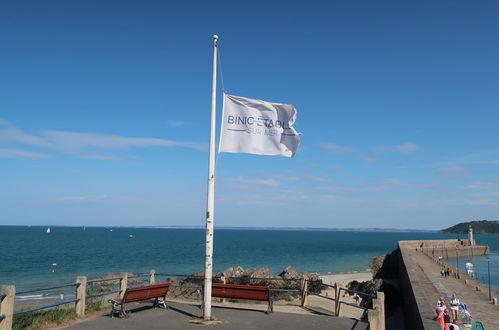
x: 422, y: 283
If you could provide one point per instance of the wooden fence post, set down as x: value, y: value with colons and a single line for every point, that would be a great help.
x: 81, y: 293
x: 123, y: 284
x: 373, y: 317
x: 337, y: 297
x: 7, y: 306
x: 152, y: 277
x: 338, y: 300
x: 304, y: 293
x: 223, y: 281
x: 379, y: 304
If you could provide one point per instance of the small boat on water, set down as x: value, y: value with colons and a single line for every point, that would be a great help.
x: 469, y: 268
x: 48, y: 230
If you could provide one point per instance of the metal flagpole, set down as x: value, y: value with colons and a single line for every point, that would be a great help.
x: 210, y: 207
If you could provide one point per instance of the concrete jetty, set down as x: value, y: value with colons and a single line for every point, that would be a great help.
x: 422, y: 284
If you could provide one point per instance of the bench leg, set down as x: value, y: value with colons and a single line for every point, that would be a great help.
x: 114, y: 310
x: 123, y: 312
x: 160, y: 303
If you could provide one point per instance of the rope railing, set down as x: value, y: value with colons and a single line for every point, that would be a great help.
x: 45, y: 306
x: 46, y: 289
x: 90, y: 289
x: 187, y: 286
x: 319, y: 295
x: 353, y: 305
x: 284, y: 290
x: 233, y: 277
x: 329, y: 285
x: 102, y: 294
x: 138, y: 276
x: 359, y: 293
x: 104, y: 279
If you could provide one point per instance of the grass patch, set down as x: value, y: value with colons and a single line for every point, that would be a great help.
x: 93, y: 305
x: 40, y: 319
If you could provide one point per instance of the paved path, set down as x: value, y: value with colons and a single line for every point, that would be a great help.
x: 478, y: 305
x: 179, y: 314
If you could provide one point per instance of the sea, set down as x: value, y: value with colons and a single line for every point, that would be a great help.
x: 32, y: 258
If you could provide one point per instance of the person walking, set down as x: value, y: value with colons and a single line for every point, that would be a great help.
x: 442, y: 308
x: 454, y: 307
x: 447, y: 320
x: 440, y: 319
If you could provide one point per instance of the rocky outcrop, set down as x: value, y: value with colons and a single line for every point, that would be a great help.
x: 235, y: 271
x: 289, y: 278
x: 385, y: 278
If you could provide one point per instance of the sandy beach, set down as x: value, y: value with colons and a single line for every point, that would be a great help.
x: 345, y: 278
x: 342, y: 280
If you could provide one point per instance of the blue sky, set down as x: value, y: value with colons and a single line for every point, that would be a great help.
x: 104, y: 112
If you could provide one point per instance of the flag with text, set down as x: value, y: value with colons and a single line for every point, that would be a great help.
x: 258, y: 127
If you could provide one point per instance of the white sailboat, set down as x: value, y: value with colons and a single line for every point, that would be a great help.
x: 48, y: 230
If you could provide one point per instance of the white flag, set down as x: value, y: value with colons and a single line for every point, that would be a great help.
x: 258, y: 127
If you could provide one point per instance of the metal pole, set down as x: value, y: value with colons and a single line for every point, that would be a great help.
x: 210, y: 205
x: 457, y: 264
x: 488, y: 271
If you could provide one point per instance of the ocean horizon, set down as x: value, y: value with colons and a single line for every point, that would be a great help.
x: 35, y: 258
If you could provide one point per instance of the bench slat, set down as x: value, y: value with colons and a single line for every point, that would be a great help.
x: 233, y: 291
x: 146, y: 292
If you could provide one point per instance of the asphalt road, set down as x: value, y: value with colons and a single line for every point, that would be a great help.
x: 179, y: 315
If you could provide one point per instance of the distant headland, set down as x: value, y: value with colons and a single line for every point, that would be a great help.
x: 479, y: 227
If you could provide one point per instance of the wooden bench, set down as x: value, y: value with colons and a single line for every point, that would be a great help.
x: 140, y: 293
x: 247, y: 292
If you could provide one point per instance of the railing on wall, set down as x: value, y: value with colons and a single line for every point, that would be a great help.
x: 118, y: 285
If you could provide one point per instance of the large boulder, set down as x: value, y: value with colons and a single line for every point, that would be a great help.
x: 370, y: 287
x: 196, y: 278
x: 289, y: 272
x: 257, y: 276
x: 234, y: 271
x: 314, y: 282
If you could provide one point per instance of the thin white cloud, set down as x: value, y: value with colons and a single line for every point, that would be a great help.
x: 483, y: 202
x: 83, y: 198
x: 454, y: 170
x: 12, y: 134
x: 83, y: 145
x: 478, y: 184
x: 176, y: 123
x: 356, y: 188
x: 71, y: 141
x: 405, y: 148
x: 335, y: 149
x: 20, y: 153
x: 399, y: 183
x: 483, y: 157
x: 263, y: 182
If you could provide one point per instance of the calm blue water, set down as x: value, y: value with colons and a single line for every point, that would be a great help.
x: 29, y: 252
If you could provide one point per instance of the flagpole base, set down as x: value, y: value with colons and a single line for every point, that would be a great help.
x: 202, y: 321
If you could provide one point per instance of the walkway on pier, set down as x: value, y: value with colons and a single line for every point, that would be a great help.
x: 478, y: 304
x: 178, y: 316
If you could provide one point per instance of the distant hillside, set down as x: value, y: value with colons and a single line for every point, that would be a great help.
x: 479, y: 227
